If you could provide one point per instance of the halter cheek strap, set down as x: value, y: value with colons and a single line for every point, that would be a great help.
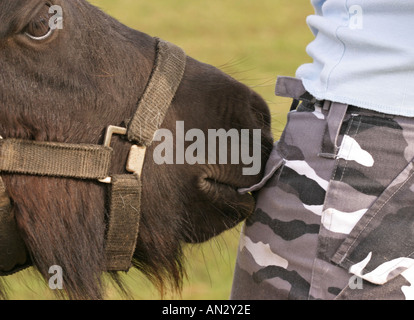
x: 92, y: 162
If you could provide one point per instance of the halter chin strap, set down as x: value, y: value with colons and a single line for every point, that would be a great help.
x: 92, y: 162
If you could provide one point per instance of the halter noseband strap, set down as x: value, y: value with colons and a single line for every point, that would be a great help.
x: 82, y: 161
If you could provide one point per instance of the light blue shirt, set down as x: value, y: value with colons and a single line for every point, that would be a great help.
x: 363, y: 54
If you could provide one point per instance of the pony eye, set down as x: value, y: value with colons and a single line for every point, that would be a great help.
x: 38, y: 28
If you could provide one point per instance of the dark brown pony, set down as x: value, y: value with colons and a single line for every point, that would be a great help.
x: 68, y: 85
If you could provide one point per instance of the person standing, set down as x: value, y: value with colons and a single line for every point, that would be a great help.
x: 335, y: 210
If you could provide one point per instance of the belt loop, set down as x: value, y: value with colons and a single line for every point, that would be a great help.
x: 336, y: 116
x: 326, y: 105
x: 289, y: 87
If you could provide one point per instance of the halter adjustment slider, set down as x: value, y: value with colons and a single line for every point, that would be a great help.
x: 110, y: 131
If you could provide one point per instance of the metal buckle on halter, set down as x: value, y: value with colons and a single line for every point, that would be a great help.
x: 110, y: 131
x: 136, y: 156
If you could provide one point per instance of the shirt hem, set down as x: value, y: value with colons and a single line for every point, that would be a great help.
x: 392, y: 110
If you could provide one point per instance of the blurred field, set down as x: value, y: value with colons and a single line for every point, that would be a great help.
x: 254, y: 41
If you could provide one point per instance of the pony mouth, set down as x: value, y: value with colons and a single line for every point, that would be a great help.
x: 216, y: 189
x: 223, y: 193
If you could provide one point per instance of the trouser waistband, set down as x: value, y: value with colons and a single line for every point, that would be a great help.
x: 289, y: 87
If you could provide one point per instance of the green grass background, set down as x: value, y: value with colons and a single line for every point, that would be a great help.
x: 254, y: 41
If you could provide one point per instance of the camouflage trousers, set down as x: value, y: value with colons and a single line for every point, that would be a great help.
x: 335, y: 211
